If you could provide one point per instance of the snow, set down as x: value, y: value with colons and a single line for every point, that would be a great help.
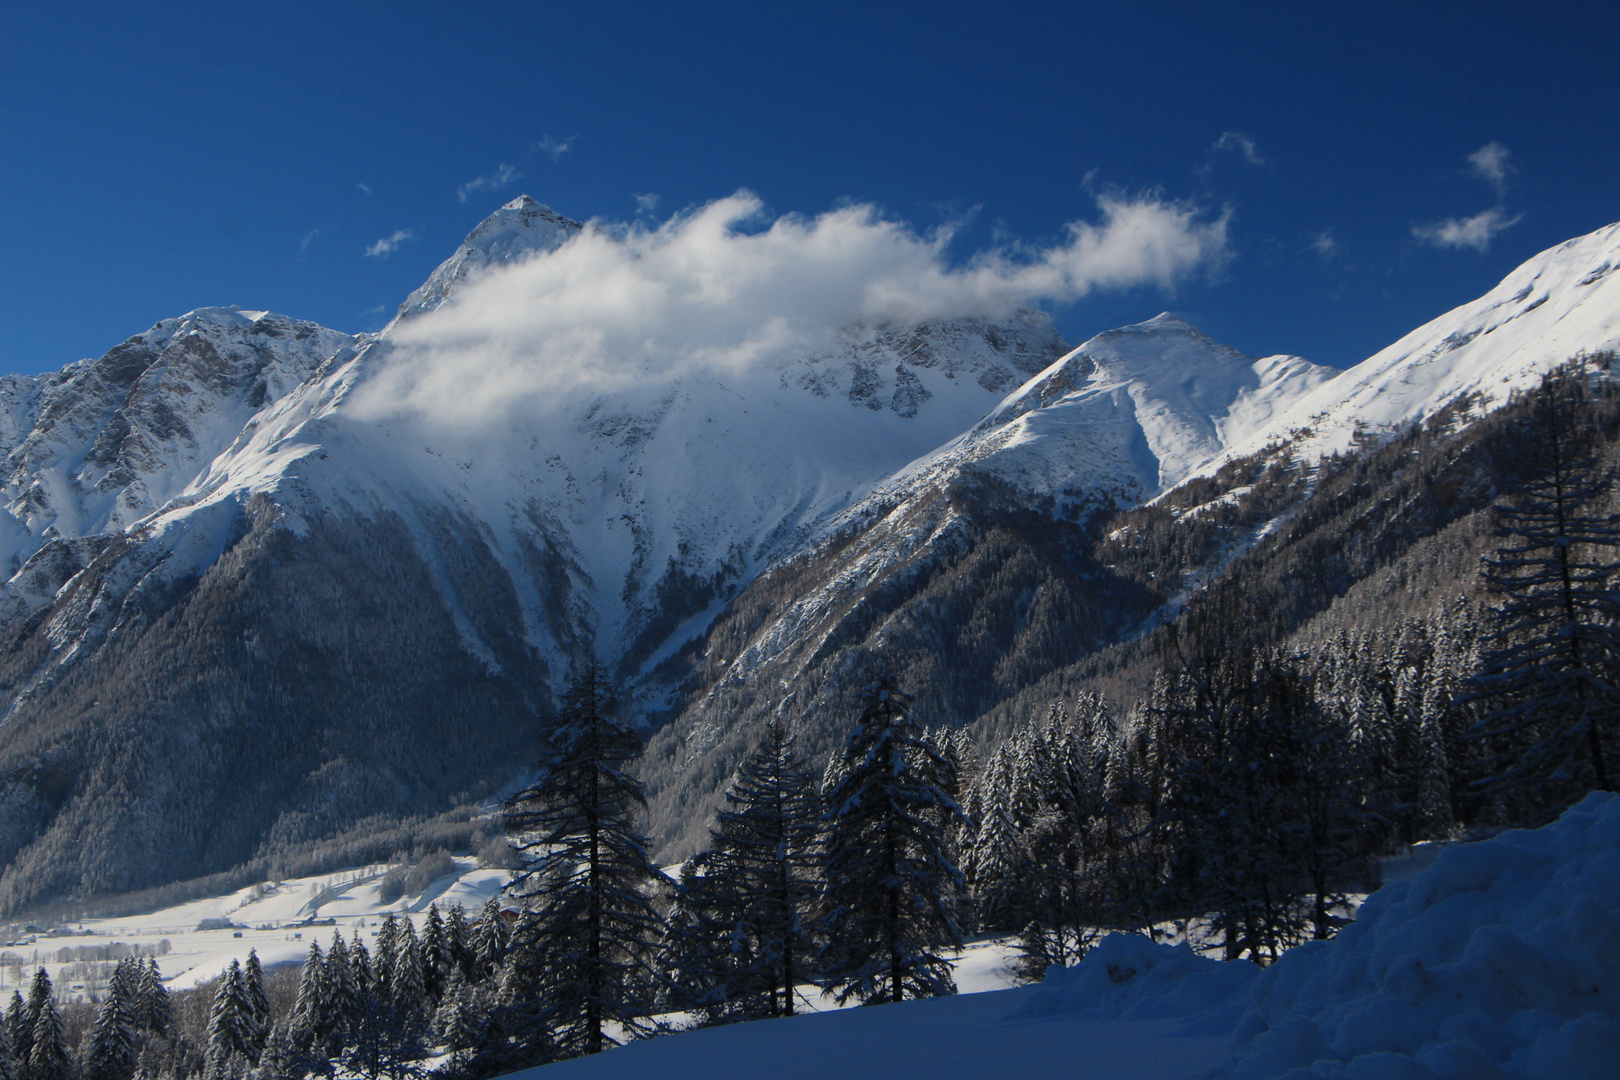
x: 271, y: 918
x: 1500, y: 960
x: 1563, y: 302
x: 1131, y: 412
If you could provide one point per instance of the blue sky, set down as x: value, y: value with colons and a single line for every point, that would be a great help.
x: 1379, y: 163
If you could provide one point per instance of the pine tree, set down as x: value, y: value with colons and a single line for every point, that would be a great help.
x: 231, y: 1025
x: 407, y: 993
x: 744, y: 941
x: 342, y: 996
x: 458, y: 935
x: 39, y: 998
x: 886, y: 902
x: 437, y: 959
x: 382, y: 970
x: 19, y: 1031
x: 490, y: 937
x: 48, y: 1055
x: 456, y: 1024
x: 8, y: 1061
x: 582, y: 966
x: 111, y: 1052
x: 1549, y: 682
x: 361, y: 967
x: 154, y: 1011
x: 309, y: 1020
x: 259, y: 1019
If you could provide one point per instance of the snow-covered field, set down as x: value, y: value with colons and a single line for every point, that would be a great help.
x: 265, y: 918
x: 1498, y: 961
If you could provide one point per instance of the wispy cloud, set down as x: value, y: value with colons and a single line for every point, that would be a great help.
x: 1325, y: 246
x: 493, y: 182
x: 1233, y: 142
x: 553, y: 147
x: 724, y: 287
x: 309, y: 238
x: 1490, y: 163
x: 389, y: 244
x: 363, y: 187
x: 1475, y: 232
x: 646, y: 204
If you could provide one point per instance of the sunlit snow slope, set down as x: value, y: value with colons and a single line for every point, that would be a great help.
x: 1557, y: 305
x: 1132, y: 411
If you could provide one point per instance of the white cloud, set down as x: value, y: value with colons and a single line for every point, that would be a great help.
x: 553, y: 146
x: 1475, y: 232
x: 493, y: 182
x: 1490, y: 163
x: 1235, y: 142
x: 1325, y: 246
x: 723, y: 287
x: 646, y: 204
x: 362, y: 187
x: 309, y: 238
x: 390, y: 244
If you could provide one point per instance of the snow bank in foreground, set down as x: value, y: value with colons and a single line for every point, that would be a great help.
x: 1500, y: 960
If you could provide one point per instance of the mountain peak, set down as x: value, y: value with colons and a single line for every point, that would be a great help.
x: 519, y: 229
x: 1166, y: 321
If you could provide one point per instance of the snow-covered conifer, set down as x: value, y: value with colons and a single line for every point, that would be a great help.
x: 17, y: 1031
x: 436, y: 954
x: 309, y: 1021
x: 886, y: 901
x: 489, y: 940
x: 232, y: 1028
x: 48, y: 1055
x: 741, y: 935
x: 258, y: 1005
x: 111, y: 1051
x: 582, y: 966
x: 154, y: 1011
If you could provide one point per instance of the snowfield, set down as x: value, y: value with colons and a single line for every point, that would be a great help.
x: 1559, y: 304
x: 267, y: 916
x: 1500, y: 961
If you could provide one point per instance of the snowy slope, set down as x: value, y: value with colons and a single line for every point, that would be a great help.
x: 516, y: 231
x: 1132, y: 411
x: 1121, y: 417
x: 98, y: 446
x: 1499, y: 961
x: 622, y: 517
x: 1563, y: 302
x: 903, y: 569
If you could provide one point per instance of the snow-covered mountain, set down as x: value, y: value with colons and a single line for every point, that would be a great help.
x: 516, y: 231
x: 101, y: 444
x: 232, y: 547
x: 969, y: 556
x: 1559, y: 304
x: 1130, y: 412
x: 344, y: 567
